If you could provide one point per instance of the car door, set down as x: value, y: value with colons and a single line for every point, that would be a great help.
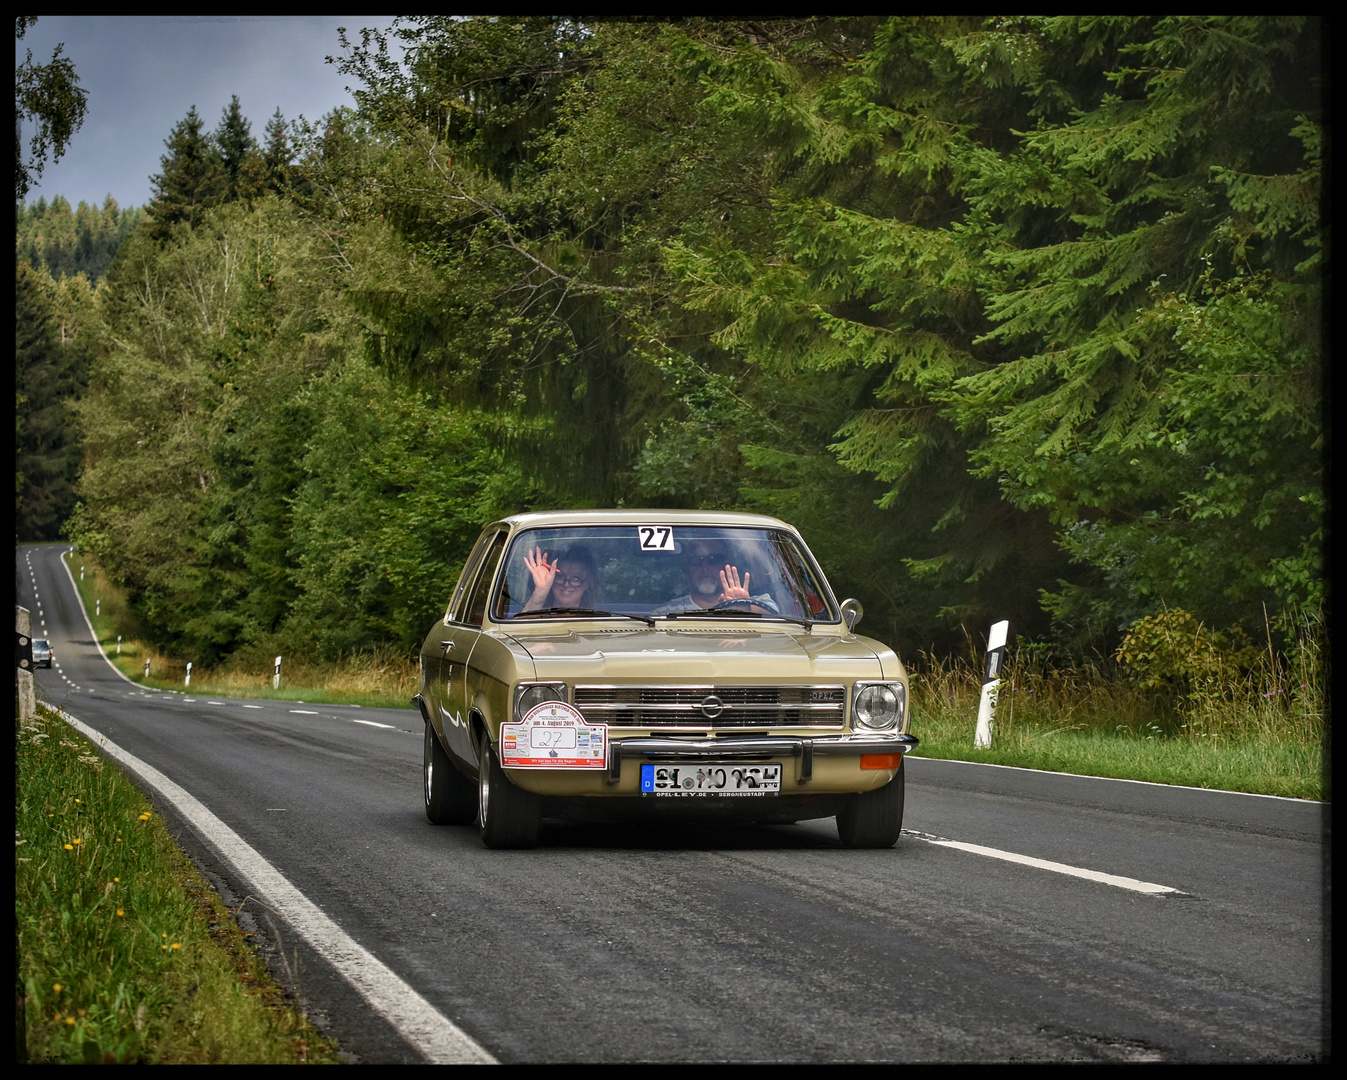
x: 459, y: 633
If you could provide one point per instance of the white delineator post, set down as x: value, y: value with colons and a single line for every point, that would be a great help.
x: 991, y: 679
x: 189, y: 674
x: 23, y: 627
x: 276, y: 679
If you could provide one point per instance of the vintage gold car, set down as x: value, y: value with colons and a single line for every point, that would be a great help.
x: 657, y: 665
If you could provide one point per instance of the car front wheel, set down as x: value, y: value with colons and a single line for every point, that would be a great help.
x: 875, y: 818
x: 507, y: 816
x: 450, y: 799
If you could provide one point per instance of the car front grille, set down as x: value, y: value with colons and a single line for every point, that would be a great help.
x: 713, y: 707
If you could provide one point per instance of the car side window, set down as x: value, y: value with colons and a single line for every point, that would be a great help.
x: 477, y: 609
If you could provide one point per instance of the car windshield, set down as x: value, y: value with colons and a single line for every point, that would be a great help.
x: 660, y: 571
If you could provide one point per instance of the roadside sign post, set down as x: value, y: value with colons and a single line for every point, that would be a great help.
x: 991, y: 681
x: 23, y: 662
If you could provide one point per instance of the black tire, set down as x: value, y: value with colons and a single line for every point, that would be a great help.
x: 450, y: 797
x: 875, y: 818
x: 507, y: 816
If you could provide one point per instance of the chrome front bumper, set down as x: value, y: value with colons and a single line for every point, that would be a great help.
x: 755, y: 748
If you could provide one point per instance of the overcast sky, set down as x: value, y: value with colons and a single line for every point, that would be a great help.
x: 143, y: 73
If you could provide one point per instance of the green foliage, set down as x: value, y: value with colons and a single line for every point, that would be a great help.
x: 1016, y: 317
x: 1172, y: 648
x: 50, y: 96
x: 63, y: 242
x: 390, y: 502
x: 1081, y: 255
x: 50, y: 370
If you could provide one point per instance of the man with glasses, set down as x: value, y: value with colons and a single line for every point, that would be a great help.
x: 715, y: 581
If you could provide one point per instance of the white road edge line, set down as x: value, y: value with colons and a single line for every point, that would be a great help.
x: 439, y: 1039
x: 1112, y: 779
x: 1044, y: 864
x: 80, y: 601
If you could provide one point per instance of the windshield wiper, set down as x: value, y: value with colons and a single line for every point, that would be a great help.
x: 583, y: 611
x: 737, y: 613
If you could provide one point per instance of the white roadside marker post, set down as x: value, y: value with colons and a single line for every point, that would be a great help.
x: 189, y: 674
x: 147, y: 669
x: 991, y: 680
x: 276, y: 678
x: 23, y: 635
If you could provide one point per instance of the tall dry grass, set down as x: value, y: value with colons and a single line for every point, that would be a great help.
x: 1258, y: 729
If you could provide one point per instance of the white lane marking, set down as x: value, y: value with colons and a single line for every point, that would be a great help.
x: 371, y: 723
x: 1044, y: 864
x: 304, y: 712
x: 252, y: 706
x: 1112, y: 779
x: 438, y: 1038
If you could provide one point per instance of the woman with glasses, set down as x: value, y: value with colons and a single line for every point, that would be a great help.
x: 569, y: 581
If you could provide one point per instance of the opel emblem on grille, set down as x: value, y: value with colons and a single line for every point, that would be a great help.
x: 712, y: 707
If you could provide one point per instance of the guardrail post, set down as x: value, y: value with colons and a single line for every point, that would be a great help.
x: 991, y: 681
x: 23, y: 662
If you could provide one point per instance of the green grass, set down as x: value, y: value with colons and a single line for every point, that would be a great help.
x: 1261, y: 733
x: 125, y: 954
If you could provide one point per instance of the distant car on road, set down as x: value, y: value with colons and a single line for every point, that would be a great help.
x: 657, y: 665
x: 41, y: 653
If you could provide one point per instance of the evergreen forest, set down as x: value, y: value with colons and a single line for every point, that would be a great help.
x: 1014, y: 317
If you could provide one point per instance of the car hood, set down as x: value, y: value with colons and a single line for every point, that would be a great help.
x: 661, y: 654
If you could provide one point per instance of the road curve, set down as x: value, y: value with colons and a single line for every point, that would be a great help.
x: 1000, y: 928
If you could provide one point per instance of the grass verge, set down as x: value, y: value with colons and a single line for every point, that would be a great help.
x: 124, y: 953
x: 1261, y: 734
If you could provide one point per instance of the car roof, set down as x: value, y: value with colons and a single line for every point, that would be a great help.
x: 623, y: 516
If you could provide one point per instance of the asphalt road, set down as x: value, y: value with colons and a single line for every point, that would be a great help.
x: 750, y: 944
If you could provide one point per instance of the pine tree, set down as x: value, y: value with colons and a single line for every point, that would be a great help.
x: 48, y: 376
x: 193, y: 179
x: 235, y: 144
x: 278, y: 153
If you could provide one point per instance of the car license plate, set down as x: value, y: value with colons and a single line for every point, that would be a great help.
x: 707, y: 778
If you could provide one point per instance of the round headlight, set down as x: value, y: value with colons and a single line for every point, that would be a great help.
x: 532, y: 696
x: 879, y: 706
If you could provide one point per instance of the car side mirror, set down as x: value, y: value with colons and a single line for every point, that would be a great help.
x: 852, y: 612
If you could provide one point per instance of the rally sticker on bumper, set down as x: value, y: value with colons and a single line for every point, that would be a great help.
x: 553, y: 735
